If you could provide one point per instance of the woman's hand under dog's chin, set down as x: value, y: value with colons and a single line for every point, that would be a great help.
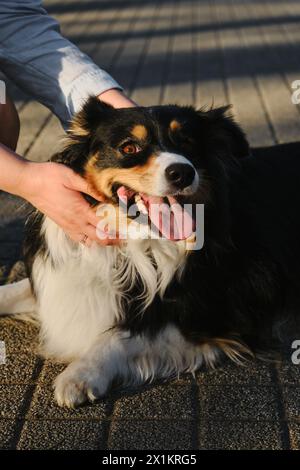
x: 55, y: 191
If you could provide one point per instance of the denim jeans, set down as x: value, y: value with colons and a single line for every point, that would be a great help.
x: 43, y: 63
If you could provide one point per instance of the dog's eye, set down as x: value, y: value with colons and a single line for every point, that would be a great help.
x: 130, y: 148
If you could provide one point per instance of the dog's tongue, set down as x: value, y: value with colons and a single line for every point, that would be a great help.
x: 173, y: 221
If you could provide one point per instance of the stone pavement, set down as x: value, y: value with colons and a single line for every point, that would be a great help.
x: 190, y: 52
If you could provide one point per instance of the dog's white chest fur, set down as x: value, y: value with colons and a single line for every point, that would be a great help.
x: 79, y: 293
x: 80, y: 289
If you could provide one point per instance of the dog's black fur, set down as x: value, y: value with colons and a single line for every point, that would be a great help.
x: 248, y: 272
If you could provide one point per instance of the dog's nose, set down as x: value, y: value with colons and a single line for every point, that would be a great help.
x: 180, y: 175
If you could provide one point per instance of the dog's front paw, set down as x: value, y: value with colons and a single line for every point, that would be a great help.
x: 76, y: 385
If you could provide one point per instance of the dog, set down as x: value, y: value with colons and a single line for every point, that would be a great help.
x: 151, y: 308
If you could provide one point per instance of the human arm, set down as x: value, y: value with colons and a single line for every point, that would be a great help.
x: 55, y: 72
x: 35, y: 55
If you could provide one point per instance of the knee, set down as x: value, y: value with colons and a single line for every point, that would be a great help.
x: 9, y: 124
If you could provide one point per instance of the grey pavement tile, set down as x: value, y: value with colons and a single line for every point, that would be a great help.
x: 44, y: 406
x: 19, y: 336
x: 12, y: 398
x: 63, y: 435
x: 294, y: 429
x: 152, y: 434
x: 19, y: 368
x: 230, y: 373
x: 239, y: 435
x: 237, y: 405
x: 7, y: 429
x: 291, y: 398
x: 289, y: 373
x: 164, y: 401
x: 51, y: 370
x: 182, y: 379
x: 238, y: 402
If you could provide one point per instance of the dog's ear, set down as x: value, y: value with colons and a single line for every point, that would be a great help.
x: 77, y: 145
x: 224, y: 133
x: 87, y: 120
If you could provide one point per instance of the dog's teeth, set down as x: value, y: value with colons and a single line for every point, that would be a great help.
x: 140, y: 204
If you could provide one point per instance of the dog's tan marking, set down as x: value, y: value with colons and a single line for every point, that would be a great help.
x: 139, y: 132
x: 175, y: 125
x: 138, y: 178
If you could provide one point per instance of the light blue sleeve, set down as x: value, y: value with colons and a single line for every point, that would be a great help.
x: 43, y: 63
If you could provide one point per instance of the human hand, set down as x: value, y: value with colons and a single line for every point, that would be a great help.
x: 54, y: 189
x: 117, y: 99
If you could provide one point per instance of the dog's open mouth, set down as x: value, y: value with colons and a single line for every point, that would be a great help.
x: 172, y: 219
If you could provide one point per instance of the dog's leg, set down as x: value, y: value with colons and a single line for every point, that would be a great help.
x: 90, y: 377
x: 133, y: 359
x: 17, y: 298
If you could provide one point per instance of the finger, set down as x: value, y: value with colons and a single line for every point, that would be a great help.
x: 80, y: 184
x: 79, y: 237
x: 89, y: 241
x: 90, y: 231
x: 104, y: 240
x: 93, y: 219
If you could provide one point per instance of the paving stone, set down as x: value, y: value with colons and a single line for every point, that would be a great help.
x: 7, y: 428
x: 239, y: 435
x: 238, y: 402
x: 289, y: 373
x: 44, y: 406
x: 151, y: 435
x: 294, y: 429
x: 12, y: 398
x: 165, y: 401
x: 291, y: 396
x: 50, y: 371
x: 19, y: 368
x: 19, y: 336
x: 63, y: 435
x: 201, y: 52
x: 230, y: 373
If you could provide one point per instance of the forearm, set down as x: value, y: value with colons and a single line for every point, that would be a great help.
x: 12, y: 168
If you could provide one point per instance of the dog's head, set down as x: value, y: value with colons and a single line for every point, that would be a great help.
x: 156, y: 153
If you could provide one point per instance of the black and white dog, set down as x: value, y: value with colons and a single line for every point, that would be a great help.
x: 151, y: 308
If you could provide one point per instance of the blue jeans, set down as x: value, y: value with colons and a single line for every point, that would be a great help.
x: 44, y: 64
